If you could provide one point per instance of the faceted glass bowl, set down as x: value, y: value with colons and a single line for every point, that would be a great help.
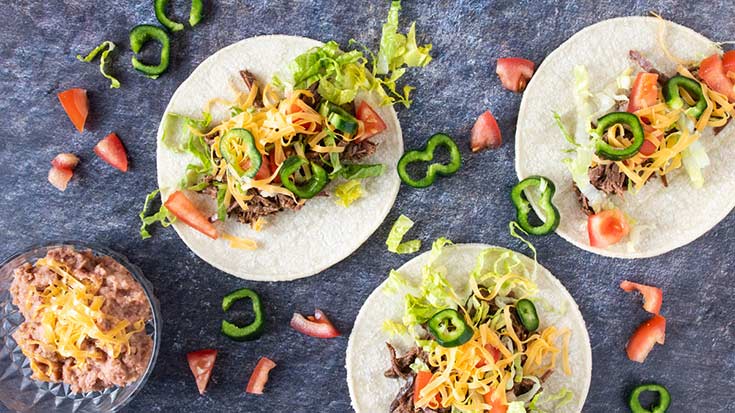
x: 18, y: 391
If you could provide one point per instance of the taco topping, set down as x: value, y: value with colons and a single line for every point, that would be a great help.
x: 664, y: 399
x: 427, y: 155
x: 488, y: 351
x: 660, y: 131
x: 250, y: 331
x: 201, y: 363
x: 523, y: 207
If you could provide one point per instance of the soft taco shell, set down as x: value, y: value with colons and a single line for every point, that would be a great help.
x: 293, y: 244
x: 677, y: 215
x: 367, y: 356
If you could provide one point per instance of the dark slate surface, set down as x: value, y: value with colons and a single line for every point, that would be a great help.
x: 38, y: 43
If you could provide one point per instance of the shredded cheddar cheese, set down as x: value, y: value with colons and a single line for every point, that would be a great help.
x: 240, y: 243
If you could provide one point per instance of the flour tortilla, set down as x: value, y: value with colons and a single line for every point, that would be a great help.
x: 368, y: 357
x: 677, y: 215
x: 294, y: 244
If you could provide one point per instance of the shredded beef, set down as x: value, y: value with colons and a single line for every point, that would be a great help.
x: 608, y: 179
x: 584, y: 203
x: 260, y: 206
x: 249, y: 80
x: 316, y: 99
x: 401, y: 366
x: 523, y: 387
x: 645, y: 64
x: 403, y: 403
x: 518, y: 327
x: 357, y: 150
x: 719, y: 129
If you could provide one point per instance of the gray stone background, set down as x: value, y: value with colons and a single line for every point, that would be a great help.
x: 38, y: 42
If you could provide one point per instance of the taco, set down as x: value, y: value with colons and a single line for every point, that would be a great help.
x: 469, y: 328
x: 273, y: 165
x: 630, y: 118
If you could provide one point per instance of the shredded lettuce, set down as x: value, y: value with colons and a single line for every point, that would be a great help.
x: 568, y: 136
x: 361, y: 171
x: 398, y: 51
x: 342, y: 75
x: 395, y: 237
x: 174, y: 120
x: 163, y: 216
x: 221, y: 206
x: 694, y: 157
x: 105, y: 49
x: 396, y: 283
x: 550, y: 402
x: 516, y: 407
x: 393, y: 328
x: 348, y: 192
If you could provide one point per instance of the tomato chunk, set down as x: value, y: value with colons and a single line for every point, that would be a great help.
x: 652, y: 296
x: 728, y: 63
x: 75, y: 104
x: 259, y: 378
x: 645, y: 337
x: 65, y: 160
x: 183, y: 209
x: 485, y: 133
x: 712, y: 72
x: 607, y: 228
x: 112, y: 151
x: 201, y: 363
x: 317, y: 326
x: 496, y: 405
x: 494, y: 353
x: 644, y: 92
x: 514, y: 72
x: 423, y: 377
x: 60, y: 177
x: 370, y: 119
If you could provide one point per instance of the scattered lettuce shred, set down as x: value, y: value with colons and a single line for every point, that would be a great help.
x: 162, y: 215
x: 396, y: 283
x: 393, y: 328
x: 395, y: 237
x: 348, y: 192
x: 192, y: 143
x: 342, y: 75
x: 398, y: 51
x: 104, y: 50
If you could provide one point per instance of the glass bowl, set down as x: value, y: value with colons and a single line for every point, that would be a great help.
x: 18, y: 391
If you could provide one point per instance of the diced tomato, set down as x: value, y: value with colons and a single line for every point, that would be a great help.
x: 494, y: 353
x: 607, y: 228
x: 485, y: 133
x: 179, y: 205
x: 66, y: 161
x: 644, y: 92
x: 712, y: 71
x: 372, y: 121
x: 201, y: 363
x: 318, y: 326
x: 492, y: 398
x: 76, y: 105
x: 645, y: 337
x: 59, y: 177
x: 259, y: 378
x: 652, y: 296
x: 423, y: 377
x: 514, y: 73
x: 265, y: 168
x: 728, y: 63
x: 112, y: 151
x: 648, y: 148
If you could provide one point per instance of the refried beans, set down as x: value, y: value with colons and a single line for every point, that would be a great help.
x: 106, y: 345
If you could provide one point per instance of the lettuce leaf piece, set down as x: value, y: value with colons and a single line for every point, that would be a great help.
x: 174, y: 120
x: 348, y: 192
x: 163, y: 215
x: 550, y: 402
x: 393, y: 328
x: 221, y: 206
x: 360, y: 171
x: 396, y: 282
x: 516, y: 407
x: 395, y: 237
x: 104, y: 51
